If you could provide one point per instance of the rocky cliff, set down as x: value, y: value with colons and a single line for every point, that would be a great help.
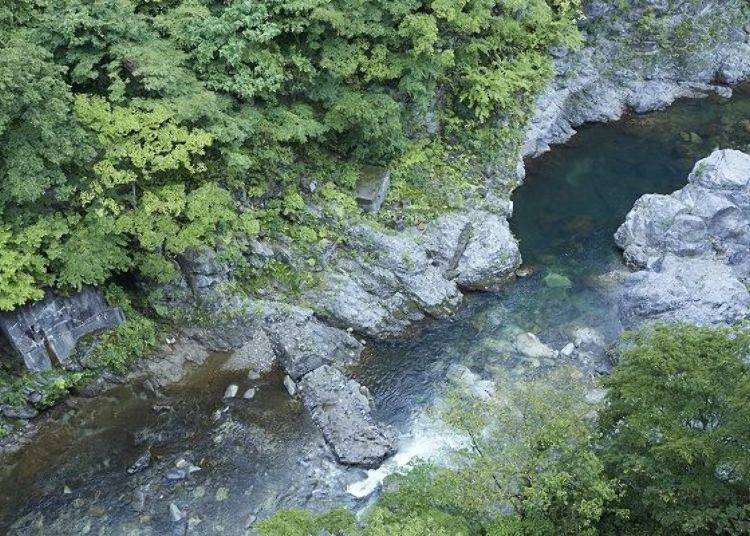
x: 692, y: 248
x: 642, y: 55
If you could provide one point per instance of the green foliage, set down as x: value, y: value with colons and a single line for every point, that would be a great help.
x: 676, y: 430
x: 132, y: 131
x: 295, y: 522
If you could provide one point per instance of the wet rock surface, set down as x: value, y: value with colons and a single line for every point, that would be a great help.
x: 691, y: 246
x: 342, y: 409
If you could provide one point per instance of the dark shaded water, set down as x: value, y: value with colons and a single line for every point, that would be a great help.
x: 259, y: 454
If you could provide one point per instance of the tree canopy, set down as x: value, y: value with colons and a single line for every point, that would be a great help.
x: 131, y: 130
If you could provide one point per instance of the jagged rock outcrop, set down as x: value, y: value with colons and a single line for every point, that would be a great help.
x: 384, y: 285
x: 475, y: 248
x: 625, y: 64
x: 388, y: 282
x: 342, y: 409
x: 46, y: 331
x: 693, y: 247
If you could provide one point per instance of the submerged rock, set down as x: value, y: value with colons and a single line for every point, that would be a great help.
x: 342, y: 409
x: 529, y: 345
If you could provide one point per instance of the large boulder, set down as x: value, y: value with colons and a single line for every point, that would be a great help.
x: 698, y: 291
x: 476, y: 248
x: 342, y: 409
x: 693, y: 247
x: 707, y: 218
x: 304, y: 344
x: 386, y: 286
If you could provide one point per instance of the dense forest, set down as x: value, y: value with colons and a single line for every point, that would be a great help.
x: 133, y: 130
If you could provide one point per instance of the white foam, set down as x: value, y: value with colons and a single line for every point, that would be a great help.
x: 428, y: 439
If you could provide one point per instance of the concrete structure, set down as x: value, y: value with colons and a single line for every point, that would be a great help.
x: 46, y: 331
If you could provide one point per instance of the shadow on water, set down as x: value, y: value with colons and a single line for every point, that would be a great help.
x: 71, y: 479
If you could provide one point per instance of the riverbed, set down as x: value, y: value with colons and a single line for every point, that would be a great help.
x: 255, y: 456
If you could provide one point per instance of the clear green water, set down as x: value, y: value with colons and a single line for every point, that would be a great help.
x: 566, y: 213
x: 265, y: 453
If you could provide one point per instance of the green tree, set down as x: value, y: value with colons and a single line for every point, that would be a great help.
x: 676, y: 430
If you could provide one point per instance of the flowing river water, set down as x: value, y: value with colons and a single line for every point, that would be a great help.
x: 258, y: 455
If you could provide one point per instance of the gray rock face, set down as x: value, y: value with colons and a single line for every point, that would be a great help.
x: 372, y: 188
x: 342, y: 409
x: 46, y: 331
x: 475, y: 247
x: 693, y: 245
x: 386, y: 286
x: 707, y: 218
x: 302, y: 345
x: 396, y: 280
x: 622, y: 67
x: 204, y: 274
x: 697, y: 291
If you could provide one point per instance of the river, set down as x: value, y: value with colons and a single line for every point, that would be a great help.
x: 257, y: 455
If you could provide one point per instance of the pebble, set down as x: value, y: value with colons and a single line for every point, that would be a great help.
x: 291, y: 387
x: 231, y: 390
x: 568, y: 350
x: 175, y: 512
x: 143, y: 461
x: 139, y: 501
x: 222, y: 494
x: 176, y: 474
x: 249, y: 394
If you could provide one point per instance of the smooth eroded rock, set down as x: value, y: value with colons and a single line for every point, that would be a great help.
x: 342, y: 409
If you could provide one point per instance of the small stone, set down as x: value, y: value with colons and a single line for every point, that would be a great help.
x: 66, y: 490
x: 291, y: 387
x: 176, y: 474
x: 143, y: 461
x: 139, y: 501
x: 222, y: 494
x: 525, y: 271
x: 193, y: 469
x: 175, y: 512
x: 249, y: 394
x: 568, y: 350
x: 596, y: 396
x: 231, y: 390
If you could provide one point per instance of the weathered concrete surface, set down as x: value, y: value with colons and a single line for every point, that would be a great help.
x: 46, y: 332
